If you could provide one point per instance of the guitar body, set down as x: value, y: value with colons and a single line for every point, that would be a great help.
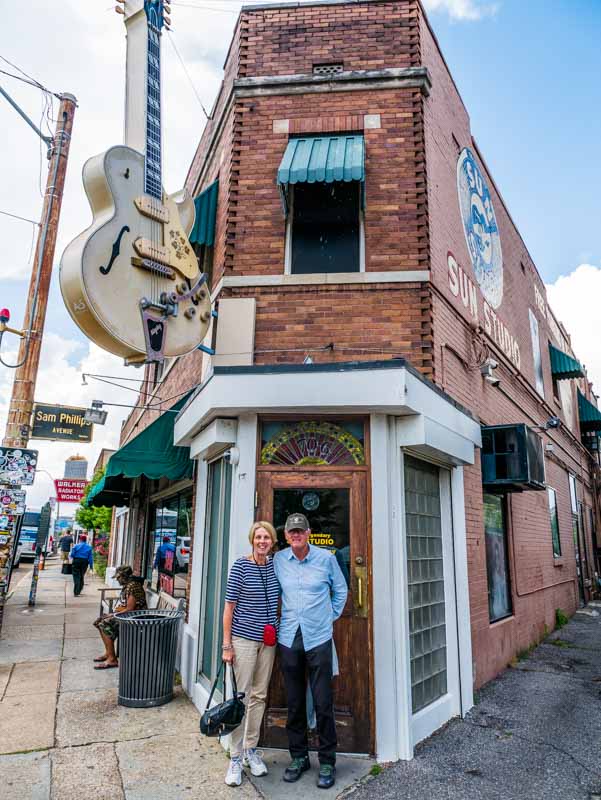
x: 107, y: 270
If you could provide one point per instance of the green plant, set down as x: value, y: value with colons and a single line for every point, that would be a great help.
x: 100, y: 565
x: 560, y: 643
x: 523, y: 654
x: 375, y: 770
x: 561, y: 618
x: 97, y: 518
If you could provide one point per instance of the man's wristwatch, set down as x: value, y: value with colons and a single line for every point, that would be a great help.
x: 227, y: 647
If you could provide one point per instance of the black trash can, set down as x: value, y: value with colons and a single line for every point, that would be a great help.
x: 147, y: 650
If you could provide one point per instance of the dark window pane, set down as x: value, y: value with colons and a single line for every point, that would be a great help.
x: 554, y: 522
x: 325, y: 227
x: 497, y: 567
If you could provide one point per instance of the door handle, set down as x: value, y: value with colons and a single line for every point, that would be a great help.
x: 361, y: 605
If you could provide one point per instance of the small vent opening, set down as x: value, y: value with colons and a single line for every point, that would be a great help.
x: 328, y: 69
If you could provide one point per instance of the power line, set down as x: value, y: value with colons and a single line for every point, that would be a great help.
x: 181, y: 60
x: 16, y: 216
x: 32, y: 81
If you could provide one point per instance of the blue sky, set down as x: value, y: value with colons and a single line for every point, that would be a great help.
x: 530, y: 77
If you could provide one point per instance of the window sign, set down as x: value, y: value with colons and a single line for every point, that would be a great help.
x: 552, y: 496
x: 538, y: 363
x: 313, y: 443
x: 497, y: 565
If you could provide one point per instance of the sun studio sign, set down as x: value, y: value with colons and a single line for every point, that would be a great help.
x: 484, y: 247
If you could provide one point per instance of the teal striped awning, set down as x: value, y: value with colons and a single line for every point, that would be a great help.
x: 323, y: 159
x: 205, y: 204
x: 564, y: 366
x: 590, y: 416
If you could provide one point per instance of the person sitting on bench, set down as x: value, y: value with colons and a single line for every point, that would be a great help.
x: 132, y: 598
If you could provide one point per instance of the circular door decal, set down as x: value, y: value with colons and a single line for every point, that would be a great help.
x: 480, y: 227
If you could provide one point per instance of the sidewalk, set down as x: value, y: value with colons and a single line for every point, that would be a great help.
x: 63, y: 736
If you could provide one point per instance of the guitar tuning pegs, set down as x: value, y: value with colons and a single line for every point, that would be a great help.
x: 167, y: 8
x: 167, y: 21
x: 119, y: 10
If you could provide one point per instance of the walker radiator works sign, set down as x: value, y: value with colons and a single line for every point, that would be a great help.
x: 60, y: 422
x: 69, y: 491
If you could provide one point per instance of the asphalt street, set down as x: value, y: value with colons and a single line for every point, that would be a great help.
x: 534, y: 734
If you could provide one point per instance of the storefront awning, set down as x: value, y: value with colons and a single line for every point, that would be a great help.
x: 590, y: 416
x: 205, y: 204
x: 564, y: 366
x: 323, y: 159
x: 151, y: 453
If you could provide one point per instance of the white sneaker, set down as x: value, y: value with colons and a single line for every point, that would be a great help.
x: 253, y: 760
x: 234, y: 772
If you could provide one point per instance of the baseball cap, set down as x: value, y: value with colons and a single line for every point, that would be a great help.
x: 295, y: 521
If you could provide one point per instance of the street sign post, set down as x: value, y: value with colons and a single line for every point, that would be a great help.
x: 43, y: 529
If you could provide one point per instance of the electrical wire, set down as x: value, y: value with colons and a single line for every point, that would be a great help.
x: 29, y: 79
x: 190, y: 81
x: 17, y: 216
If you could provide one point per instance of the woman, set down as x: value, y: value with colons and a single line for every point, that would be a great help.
x: 132, y: 598
x: 251, y: 603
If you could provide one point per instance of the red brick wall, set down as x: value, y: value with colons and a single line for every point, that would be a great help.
x: 287, y: 41
x: 540, y: 584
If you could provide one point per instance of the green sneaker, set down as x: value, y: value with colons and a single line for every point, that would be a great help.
x: 327, y: 776
x: 296, y: 768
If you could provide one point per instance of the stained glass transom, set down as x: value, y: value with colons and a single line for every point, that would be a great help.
x: 313, y: 444
x: 427, y: 628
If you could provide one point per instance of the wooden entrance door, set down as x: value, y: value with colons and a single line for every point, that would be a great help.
x: 335, y: 503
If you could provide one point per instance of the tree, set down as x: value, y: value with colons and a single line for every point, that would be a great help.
x: 92, y: 517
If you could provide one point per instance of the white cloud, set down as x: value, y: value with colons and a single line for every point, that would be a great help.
x: 60, y: 381
x: 462, y: 9
x: 575, y: 300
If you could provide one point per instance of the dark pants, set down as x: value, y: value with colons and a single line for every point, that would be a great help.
x: 80, y: 566
x: 318, y: 663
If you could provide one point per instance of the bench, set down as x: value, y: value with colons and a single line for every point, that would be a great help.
x: 158, y: 600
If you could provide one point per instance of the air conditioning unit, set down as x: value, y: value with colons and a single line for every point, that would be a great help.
x: 512, y: 459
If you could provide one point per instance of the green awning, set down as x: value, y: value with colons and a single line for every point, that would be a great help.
x: 205, y: 204
x: 151, y: 453
x: 564, y: 366
x: 590, y: 416
x: 323, y: 159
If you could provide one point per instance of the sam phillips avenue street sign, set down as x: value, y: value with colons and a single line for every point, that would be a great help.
x: 60, y: 422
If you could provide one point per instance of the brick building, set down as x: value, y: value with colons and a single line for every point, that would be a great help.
x: 384, y: 360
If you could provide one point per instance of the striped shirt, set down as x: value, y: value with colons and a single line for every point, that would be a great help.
x: 246, y: 588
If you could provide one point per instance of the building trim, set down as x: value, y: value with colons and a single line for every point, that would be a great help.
x: 321, y: 278
x: 350, y: 81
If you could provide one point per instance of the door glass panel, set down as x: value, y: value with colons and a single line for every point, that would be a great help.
x: 328, y: 512
x: 427, y: 629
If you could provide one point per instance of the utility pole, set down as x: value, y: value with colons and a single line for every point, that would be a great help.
x: 23, y: 391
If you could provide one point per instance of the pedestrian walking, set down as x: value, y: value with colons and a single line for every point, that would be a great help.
x: 313, y: 593
x: 65, y: 544
x: 82, y: 558
x: 249, y: 639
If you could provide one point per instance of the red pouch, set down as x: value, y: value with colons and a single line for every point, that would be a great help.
x: 270, y: 636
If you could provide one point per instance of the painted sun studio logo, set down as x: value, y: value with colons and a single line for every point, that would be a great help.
x: 480, y: 228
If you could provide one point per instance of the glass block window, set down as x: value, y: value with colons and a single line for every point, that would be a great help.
x: 427, y: 628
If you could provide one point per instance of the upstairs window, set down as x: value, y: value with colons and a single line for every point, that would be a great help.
x: 325, y: 228
x: 321, y: 183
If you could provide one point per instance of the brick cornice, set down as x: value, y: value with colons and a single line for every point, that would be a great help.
x: 358, y: 80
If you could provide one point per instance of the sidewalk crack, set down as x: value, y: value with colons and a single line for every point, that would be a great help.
x: 10, y: 674
x: 119, y: 769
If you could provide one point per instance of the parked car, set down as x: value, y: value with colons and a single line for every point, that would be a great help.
x: 182, y: 553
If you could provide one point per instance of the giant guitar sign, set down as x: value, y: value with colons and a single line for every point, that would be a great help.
x: 131, y: 281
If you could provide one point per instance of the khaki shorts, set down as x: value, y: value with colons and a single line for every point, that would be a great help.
x: 64, y: 555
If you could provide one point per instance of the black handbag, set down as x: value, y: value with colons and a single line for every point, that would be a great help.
x: 224, y: 717
x: 67, y: 569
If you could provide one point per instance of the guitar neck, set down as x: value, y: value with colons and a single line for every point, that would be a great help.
x: 153, y: 183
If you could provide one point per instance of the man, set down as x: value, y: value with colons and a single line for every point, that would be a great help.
x: 161, y: 556
x: 82, y: 558
x: 313, y: 596
x: 65, y: 544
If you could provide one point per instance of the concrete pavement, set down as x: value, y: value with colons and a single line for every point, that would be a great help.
x: 63, y: 736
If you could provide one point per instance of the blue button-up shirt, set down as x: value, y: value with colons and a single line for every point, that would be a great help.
x: 83, y: 550
x: 313, y: 595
